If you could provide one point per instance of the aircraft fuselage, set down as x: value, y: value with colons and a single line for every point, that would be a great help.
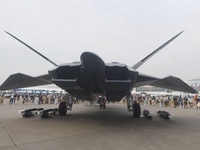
x: 92, y: 77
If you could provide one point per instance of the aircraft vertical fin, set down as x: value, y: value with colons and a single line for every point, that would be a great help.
x: 137, y: 65
x: 32, y: 49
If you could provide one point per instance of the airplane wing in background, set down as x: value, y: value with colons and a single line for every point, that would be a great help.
x: 20, y: 80
x: 170, y: 82
x: 174, y: 83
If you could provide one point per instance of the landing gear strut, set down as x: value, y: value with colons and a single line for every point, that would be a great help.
x: 133, y: 106
x: 65, y: 105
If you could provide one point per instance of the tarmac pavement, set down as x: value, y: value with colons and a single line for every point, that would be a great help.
x: 89, y: 128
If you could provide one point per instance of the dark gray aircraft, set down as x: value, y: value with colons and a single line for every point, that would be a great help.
x: 92, y: 77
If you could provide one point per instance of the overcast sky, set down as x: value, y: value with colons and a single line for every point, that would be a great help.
x: 117, y: 30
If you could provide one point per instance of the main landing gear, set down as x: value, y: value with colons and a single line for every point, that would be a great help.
x: 133, y: 106
x: 65, y: 105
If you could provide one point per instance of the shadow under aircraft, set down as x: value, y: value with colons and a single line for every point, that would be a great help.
x: 92, y: 78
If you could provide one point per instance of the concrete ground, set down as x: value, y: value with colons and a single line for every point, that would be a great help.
x: 89, y: 128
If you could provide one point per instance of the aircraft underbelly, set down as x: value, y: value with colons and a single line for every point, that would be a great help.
x: 117, y: 85
x: 92, y: 77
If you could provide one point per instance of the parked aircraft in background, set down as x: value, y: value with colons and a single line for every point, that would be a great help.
x: 92, y: 77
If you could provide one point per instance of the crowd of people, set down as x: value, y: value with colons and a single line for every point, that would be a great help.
x: 160, y: 100
x: 33, y: 98
x: 170, y: 101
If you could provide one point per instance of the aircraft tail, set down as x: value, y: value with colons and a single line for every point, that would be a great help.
x: 32, y: 49
x: 141, y: 62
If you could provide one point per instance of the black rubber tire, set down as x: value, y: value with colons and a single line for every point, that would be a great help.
x: 136, y: 110
x: 104, y: 106
x: 62, y: 109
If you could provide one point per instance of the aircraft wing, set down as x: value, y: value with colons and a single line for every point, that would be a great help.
x: 169, y: 82
x: 20, y: 80
x: 174, y: 83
